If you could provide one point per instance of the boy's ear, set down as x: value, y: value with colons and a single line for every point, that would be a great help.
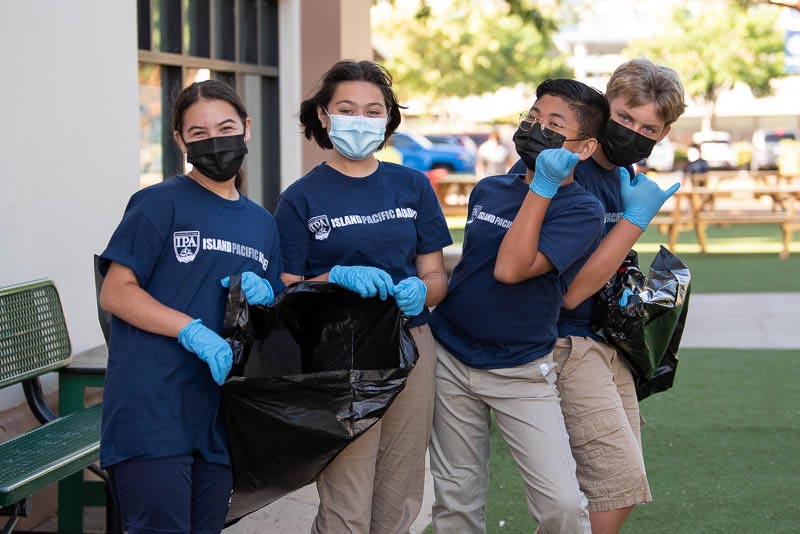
x: 588, y: 148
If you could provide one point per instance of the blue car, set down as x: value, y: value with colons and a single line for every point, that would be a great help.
x: 419, y: 153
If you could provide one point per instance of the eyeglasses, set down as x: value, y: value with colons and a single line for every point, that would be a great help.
x: 526, y: 122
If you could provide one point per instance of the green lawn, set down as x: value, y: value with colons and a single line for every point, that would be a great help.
x: 721, y: 449
x: 743, y: 258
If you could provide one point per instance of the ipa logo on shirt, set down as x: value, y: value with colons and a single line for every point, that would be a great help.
x: 186, y: 245
x: 320, y: 226
x: 475, y: 211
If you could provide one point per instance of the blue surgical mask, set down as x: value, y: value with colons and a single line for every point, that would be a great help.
x: 356, y: 137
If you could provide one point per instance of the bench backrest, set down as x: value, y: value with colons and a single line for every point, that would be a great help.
x: 33, y: 332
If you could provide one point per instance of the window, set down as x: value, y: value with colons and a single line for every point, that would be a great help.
x: 183, y: 41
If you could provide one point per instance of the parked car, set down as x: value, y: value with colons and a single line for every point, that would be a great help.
x: 765, y: 147
x: 420, y: 153
x: 662, y: 158
x: 716, y: 149
x: 454, y: 139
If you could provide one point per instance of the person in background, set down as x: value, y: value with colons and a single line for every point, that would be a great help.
x: 496, y: 329
x: 697, y: 167
x: 375, y: 228
x: 597, y: 388
x: 163, y: 438
x: 492, y: 156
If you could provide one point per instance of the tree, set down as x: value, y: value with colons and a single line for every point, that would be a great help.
x: 716, y: 47
x: 466, y: 47
x: 794, y: 4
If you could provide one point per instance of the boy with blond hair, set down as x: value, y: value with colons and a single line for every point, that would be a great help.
x: 597, y: 388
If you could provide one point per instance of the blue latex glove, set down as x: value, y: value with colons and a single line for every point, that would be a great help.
x: 642, y: 198
x: 256, y: 289
x: 410, y: 295
x: 552, y: 167
x: 626, y: 294
x: 209, y: 347
x: 366, y: 281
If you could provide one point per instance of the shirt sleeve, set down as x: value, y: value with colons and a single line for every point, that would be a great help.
x: 432, y: 231
x: 294, y: 236
x: 568, y: 235
x: 137, y: 243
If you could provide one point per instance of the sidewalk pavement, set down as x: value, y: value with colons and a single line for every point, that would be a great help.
x: 735, y: 321
x: 743, y: 321
x: 295, y: 513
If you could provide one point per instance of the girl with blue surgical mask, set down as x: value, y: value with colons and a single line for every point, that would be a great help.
x: 375, y: 228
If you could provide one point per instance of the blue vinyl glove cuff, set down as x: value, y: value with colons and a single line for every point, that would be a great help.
x: 642, y: 198
x: 256, y: 289
x: 552, y: 167
x: 410, y: 295
x: 626, y: 294
x: 209, y: 347
x: 366, y: 281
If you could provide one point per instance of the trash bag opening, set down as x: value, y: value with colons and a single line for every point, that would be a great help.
x: 316, y: 327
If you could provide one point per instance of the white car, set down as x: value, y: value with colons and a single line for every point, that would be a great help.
x: 716, y: 149
x: 765, y: 147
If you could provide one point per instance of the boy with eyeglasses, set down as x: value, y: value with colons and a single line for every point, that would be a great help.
x: 495, y: 335
x: 598, y: 392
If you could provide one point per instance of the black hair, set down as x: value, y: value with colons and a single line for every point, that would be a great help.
x: 348, y: 71
x: 589, y: 104
x: 208, y: 90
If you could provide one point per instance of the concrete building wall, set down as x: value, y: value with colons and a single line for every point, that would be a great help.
x: 330, y: 31
x: 290, y: 88
x: 354, y: 24
x: 321, y: 49
x: 69, y: 147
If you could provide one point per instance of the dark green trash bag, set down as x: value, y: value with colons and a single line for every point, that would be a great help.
x: 648, y: 328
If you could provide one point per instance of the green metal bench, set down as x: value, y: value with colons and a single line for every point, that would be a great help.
x: 33, y: 341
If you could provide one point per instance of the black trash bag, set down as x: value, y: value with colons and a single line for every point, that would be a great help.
x: 648, y: 329
x: 312, y: 372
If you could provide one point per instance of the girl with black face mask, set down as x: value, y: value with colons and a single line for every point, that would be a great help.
x: 163, y: 442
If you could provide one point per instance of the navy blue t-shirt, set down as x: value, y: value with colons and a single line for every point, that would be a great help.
x: 383, y: 220
x: 179, y: 239
x: 487, y: 324
x: 604, y: 185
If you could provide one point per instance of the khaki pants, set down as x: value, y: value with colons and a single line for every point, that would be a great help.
x: 525, y: 402
x: 375, y: 485
x: 598, y: 398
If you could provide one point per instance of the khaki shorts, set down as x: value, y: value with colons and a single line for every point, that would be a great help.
x: 601, y: 412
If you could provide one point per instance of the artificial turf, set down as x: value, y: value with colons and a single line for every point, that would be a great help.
x: 721, y: 449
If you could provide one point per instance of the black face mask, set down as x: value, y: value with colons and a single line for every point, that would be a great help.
x: 531, y: 143
x: 623, y: 146
x: 219, y: 158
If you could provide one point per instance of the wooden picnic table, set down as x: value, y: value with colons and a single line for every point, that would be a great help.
x: 453, y: 192
x: 695, y: 208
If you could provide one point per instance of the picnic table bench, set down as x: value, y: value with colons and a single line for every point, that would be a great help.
x: 453, y: 192
x: 34, y: 341
x: 695, y: 208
